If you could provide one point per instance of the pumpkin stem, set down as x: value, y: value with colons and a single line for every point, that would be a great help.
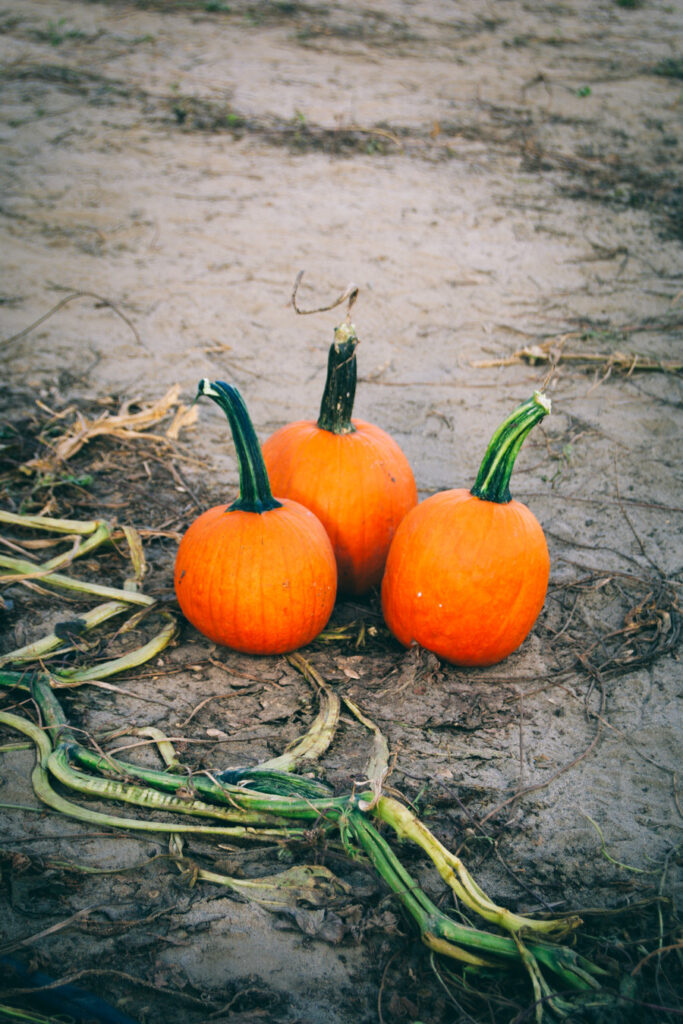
x: 493, y: 479
x: 336, y: 407
x: 255, y: 493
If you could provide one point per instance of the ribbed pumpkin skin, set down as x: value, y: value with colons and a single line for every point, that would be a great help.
x: 466, y: 578
x: 359, y: 485
x: 261, y: 583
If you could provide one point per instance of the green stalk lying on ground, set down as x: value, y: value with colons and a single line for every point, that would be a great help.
x: 456, y: 875
x: 75, y: 676
x: 48, y: 795
x: 263, y: 814
x: 52, y: 644
x: 241, y: 798
x: 22, y: 569
x: 438, y: 931
x: 267, y: 802
x: 82, y: 527
x: 96, y: 533
x: 442, y: 933
x: 318, y: 738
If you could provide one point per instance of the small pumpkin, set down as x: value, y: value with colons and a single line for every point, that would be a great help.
x: 350, y: 473
x: 258, y: 575
x: 467, y: 572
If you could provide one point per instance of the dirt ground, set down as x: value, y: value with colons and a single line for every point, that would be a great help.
x: 502, y: 182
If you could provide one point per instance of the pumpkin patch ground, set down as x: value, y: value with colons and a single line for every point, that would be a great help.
x: 502, y: 184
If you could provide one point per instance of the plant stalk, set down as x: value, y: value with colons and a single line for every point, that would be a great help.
x: 46, y: 794
x: 255, y: 493
x: 493, y: 478
x: 455, y: 874
x: 49, y: 644
x: 317, y: 739
x: 28, y: 571
x: 336, y: 407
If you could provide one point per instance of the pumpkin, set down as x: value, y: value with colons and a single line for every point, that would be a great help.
x: 258, y: 575
x: 350, y: 473
x: 467, y: 573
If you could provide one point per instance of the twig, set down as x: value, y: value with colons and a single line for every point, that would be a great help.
x: 464, y: 1014
x: 31, y: 939
x: 182, y: 482
x: 551, y: 351
x: 381, y: 986
x: 631, y: 526
x: 600, y: 499
x: 61, y: 304
x: 560, y: 771
x: 350, y: 293
x: 382, y: 133
x: 655, y: 952
x: 110, y: 973
x: 202, y: 703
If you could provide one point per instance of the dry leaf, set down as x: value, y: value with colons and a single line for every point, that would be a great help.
x: 186, y: 416
x: 124, y: 425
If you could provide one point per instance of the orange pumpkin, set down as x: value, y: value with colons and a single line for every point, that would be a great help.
x: 258, y: 575
x: 467, y: 573
x: 350, y: 473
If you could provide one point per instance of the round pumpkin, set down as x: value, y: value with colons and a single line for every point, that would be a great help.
x: 259, y: 575
x: 349, y: 472
x: 467, y: 572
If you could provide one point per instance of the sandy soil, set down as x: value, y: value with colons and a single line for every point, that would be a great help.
x: 493, y: 177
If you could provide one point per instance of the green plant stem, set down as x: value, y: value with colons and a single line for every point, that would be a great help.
x: 41, y: 786
x: 277, y: 783
x: 255, y: 493
x: 22, y: 567
x: 78, y: 526
x: 312, y: 883
x: 163, y: 744
x: 317, y: 739
x: 102, y: 534
x: 493, y: 478
x: 336, y: 407
x: 59, y: 766
x: 344, y: 811
x: 406, y: 888
x: 51, y: 643
x: 76, y: 676
x: 275, y: 812
x: 223, y: 793
x: 377, y: 767
x: 302, y: 808
x: 446, y: 936
x: 134, y: 658
x: 454, y: 873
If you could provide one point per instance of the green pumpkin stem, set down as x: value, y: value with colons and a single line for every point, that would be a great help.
x: 493, y: 479
x: 336, y: 407
x: 255, y: 493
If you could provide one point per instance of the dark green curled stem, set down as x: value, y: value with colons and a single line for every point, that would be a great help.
x: 40, y: 780
x: 336, y: 407
x: 299, y: 799
x: 493, y: 479
x: 266, y: 780
x: 241, y: 798
x: 255, y: 493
